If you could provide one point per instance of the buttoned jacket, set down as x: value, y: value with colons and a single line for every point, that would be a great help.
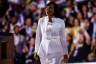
x: 50, y: 36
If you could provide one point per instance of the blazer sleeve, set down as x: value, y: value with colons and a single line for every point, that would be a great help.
x: 63, y: 39
x: 38, y: 36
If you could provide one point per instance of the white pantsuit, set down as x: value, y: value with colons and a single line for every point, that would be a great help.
x: 52, y: 59
x: 50, y: 42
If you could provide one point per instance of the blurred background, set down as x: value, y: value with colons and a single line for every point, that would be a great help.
x: 20, y: 19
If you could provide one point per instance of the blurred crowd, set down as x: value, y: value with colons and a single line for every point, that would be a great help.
x: 22, y: 20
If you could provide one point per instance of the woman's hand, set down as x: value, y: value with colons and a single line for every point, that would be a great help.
x: 65, y: 58
x: 25, y: 49
x: 23, y: 27
x: 36, y: 56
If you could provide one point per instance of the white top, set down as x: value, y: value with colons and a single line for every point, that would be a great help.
x: 16, y: 39
x: 50, y: 37
x: 12, y: 27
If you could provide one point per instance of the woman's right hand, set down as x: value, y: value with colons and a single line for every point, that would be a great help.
x: 36, y: 56
x: 23, y: 27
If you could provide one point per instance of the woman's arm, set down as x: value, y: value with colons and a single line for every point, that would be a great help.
x: 63, y: 42
x: 87, y: 37
x: 38, y: 39
x: 63, y: 39
x: 38, y: 36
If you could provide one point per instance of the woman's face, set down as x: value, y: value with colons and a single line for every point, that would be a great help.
x: 33, y: 8
x: 50, y: 10
x: 94, y: 10
x: 76, y: 22
x: 28, y: 22
x: 32, y: 42
x: 69, y: 3
x: 79, y: 15
x: 84, y: 8
x: 16, y: 30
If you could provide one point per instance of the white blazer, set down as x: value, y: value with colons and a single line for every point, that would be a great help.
x: 50, y: 37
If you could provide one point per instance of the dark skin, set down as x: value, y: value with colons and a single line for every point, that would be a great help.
x: 50, y: 13
x: 16, y: 30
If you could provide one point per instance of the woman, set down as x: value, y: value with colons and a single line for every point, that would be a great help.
x: 27, y: 29
x: 29, y: 49
x: 75, y: 30
x: 50, y: 43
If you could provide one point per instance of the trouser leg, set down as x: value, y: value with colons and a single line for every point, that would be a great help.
x: 52, y: 59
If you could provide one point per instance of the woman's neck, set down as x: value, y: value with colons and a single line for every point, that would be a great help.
x: 50, y: 18
x: 31, y: 46
x: 76, y: 26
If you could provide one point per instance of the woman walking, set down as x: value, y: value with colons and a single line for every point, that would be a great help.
x: 50, y: 44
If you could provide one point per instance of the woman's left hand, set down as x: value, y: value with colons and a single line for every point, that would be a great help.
x: 65, y: 58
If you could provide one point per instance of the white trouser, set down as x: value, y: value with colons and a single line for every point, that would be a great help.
x: 52, y: 59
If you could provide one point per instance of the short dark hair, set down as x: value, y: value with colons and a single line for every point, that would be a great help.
x: 16, y: 27
x: 56, y: 8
